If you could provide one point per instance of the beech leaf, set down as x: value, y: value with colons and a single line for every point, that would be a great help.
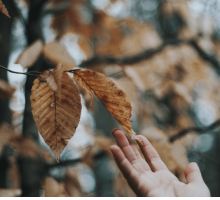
x: 56, y: 118
x: 3, y: 9
x: 57, y: 53
x: 30, y: 55
x: 6, y: 90
x: 113, y: 98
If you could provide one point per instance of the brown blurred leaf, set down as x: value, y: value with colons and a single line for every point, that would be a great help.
x: 72, y: 183
x: 10, y: 192
x: 14, y: 178
x: 6, y: 90
x: 3, y: 9
x: 30, y: 55
x: 54, y: 189
x: 57, y: 53
x: 5, y: 133
x: 56, y: 119
x: 24, y: 147
x: 113, y: 98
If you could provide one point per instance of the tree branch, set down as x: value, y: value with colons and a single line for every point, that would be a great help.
x: 195, y: 129
x: 74, y: 161
x: 134, y: 59
x: 150, y: 53
x: 59, y: 8
x: 207, y: 57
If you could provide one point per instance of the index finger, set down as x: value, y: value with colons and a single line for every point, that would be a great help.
x: 151, y: 155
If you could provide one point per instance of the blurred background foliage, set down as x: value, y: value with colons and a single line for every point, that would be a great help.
x: 164, y: 54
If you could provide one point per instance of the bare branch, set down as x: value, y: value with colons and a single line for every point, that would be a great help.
x: 150, y: 53
x: 59, y: 8
x: 134, y: 59
x: 73, y: 162
x: 207, y: 57
x: 199, y: 130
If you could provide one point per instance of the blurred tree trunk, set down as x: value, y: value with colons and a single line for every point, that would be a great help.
x: 32, y: 170
x: 34, y: 32
x: 5, y: 36
x: 5, y: 47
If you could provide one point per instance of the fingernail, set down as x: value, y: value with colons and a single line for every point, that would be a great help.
x: 113, y: 131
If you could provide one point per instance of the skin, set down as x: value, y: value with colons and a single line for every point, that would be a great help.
x: 151, y: 177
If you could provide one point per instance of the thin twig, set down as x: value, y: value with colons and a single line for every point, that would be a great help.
x: 195, y: 129
x: 24, y: 73
x: 31, y: 73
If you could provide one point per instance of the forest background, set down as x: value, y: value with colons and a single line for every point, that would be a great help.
x: 164, y: 54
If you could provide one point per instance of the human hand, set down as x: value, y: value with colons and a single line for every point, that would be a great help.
x: 154, y: 179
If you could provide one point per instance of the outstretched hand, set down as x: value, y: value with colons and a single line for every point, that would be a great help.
x: 152, y: 178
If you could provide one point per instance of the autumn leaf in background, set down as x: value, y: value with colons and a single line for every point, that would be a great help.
x: 3, y: 9
x: 30, y: 55
x: 57, y: 53
x: 56, y: 110
x: 6, y: 90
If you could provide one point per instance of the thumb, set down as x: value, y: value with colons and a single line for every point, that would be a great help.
x: 193, y: 173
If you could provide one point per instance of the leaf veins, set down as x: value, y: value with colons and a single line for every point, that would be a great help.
x: 113, y: 98
x: 56, y: 117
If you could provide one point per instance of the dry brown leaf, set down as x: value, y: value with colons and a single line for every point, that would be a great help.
x: 56, y: 119
x: 30, y: 55
x: 113, y: 98
x: 24, y: 147
x: 3, y: 9
x: 57, y: 53
x: 6, y: 90
x: 10, y: 192
x: 72, y: 183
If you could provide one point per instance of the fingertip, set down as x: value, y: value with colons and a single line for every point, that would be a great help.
x: 112, y: 147
x: 144, y: 141
x: 191, y: 167
x: 117, y: 131
x: 114, y: 130
x: 193, y: 173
